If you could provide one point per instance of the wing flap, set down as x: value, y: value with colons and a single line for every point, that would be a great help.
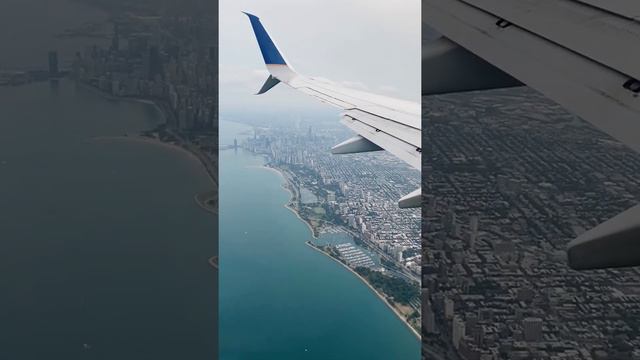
x: 396, y: 146
x: 601, y: 36
x: 614, y: 243
x: 356, y: 144
x: 392, y: 128
x: 411, y: 200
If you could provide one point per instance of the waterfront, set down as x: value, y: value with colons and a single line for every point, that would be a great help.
x: 280, y: 298
x: 105, y: 253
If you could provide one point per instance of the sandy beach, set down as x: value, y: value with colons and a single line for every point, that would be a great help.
x: 379, y: 294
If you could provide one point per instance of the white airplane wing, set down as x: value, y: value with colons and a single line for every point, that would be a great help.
x: 382, y: 123
x: 583, y: 54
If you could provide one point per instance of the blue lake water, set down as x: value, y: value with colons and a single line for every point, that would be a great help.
x: 279, y: 298
x: 103, y: 250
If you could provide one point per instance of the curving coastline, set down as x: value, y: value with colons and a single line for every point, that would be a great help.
x: 200, y: 199
x: 310, y: 244
x: 375, y: 291
x: 314, y: 232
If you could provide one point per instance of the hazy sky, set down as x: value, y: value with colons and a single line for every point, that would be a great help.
x: 373, y: 45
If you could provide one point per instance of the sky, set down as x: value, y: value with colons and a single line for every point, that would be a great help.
x: 371, y: 45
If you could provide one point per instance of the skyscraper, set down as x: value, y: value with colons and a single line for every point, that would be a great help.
x: 155, y: 63
x: 53, y: 63
x: 473, y: 232
x: 428, y: 316
x: 448, y: 308
x: 115, y: 41
x: 457, y: 331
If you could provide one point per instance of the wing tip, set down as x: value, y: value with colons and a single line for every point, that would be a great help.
x: 270, y: 52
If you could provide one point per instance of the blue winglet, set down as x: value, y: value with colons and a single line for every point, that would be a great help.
x: 269, y: 50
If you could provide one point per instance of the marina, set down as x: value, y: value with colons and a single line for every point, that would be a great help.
x: 354, y: 256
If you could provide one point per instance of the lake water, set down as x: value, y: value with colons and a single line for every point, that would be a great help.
x: 103, y: 250
x: 279, y: 298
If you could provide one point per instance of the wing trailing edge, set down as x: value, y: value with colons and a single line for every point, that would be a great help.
x: 356, y: 144
x: 583, y: 55
x: 614, y: 243
x: 411, y: 200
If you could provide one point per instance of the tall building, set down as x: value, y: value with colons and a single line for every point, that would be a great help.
x: 457, y: 331
x: 352, y: 220
x: 154, y: 63
x: 473, y: 232
x: 478, y: 335
x: 115, y: 41
x: 448, y: 308
x: 53, y: 63
x: 449, y: 221
x: 471, y: 321
x: 532, y: 329
x: 432, y: 203
x: 428, y: 316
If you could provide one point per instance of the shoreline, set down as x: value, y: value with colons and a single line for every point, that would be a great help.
x: 169, y: 146
x: 213, y: 261
x: 289, y: 202
x: 141, y: 139
x: 375, y: 291
x: 310, y: 244
x: 149, y: 140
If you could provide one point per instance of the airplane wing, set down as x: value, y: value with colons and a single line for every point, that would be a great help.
x: 583, y: 54
x: 382, y: 123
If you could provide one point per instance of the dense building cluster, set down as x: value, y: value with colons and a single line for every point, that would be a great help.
x: 362, y: 191
x: 510, y: 179
x: 170, y: 60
